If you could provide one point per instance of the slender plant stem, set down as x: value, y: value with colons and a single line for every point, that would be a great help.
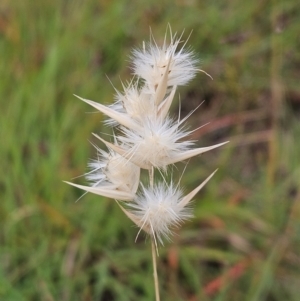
x: 156, y: 284
x: 153, y: 245
x: 151, y: 176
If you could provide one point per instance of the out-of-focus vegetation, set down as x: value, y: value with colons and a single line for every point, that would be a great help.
x: 244, y: 241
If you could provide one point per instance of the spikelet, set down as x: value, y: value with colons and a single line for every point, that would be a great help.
x: 159, y: 209
x: 112, y: 176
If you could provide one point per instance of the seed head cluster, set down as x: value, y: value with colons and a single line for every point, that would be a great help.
x: 146, y: 137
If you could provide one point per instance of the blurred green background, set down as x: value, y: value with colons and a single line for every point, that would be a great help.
x: 244, y: 241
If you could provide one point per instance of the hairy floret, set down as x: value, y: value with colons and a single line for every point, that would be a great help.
x: 116, y: 170
x: 112, y: 176
x: 151, y: 63
x: 158, y: 210
x: 134, y: 102
x: 156, y: 144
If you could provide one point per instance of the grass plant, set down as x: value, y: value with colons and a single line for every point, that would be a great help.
x: 149, y: 140
x: 244, y: 240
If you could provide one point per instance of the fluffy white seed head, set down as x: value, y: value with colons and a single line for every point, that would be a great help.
x: 115, y: 171
x: 156, y: 144
x: 150, y: 64
x: 157, y: 210
x: 136, y: 103
x: 150, y: 139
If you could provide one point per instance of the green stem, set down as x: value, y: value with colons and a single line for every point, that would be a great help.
x: 156, y: 284
x: 153, y: 245
x: 151, y: 177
